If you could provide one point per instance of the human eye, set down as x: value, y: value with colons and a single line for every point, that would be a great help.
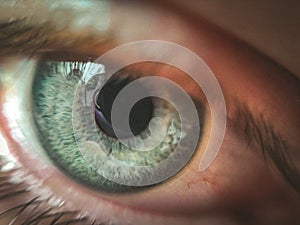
x: 240, y: 186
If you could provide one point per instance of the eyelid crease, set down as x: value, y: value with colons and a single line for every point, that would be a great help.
x: 259, y: 131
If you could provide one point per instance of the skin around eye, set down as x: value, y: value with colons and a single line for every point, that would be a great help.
x: 239, y: 184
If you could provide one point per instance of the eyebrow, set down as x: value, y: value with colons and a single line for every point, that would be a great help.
x: 259, y: 131
x: 18, y: 35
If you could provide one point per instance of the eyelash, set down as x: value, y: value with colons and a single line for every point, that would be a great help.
x: 36, y: 207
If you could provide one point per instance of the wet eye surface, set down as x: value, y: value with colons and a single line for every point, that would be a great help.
x: 55, y: 110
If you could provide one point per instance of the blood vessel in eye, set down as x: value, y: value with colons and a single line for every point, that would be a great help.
x: 139, y: 117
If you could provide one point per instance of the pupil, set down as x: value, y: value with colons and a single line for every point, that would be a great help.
x: 139, y: 116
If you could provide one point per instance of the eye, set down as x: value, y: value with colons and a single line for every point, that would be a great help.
x: 75, y: 125
x: 35, y: 122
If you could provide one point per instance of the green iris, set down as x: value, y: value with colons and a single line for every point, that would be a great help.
x: 53, y: 97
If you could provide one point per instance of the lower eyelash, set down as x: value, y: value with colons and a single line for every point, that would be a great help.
x: 23, y: 202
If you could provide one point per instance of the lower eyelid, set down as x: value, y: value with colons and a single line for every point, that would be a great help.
x: 51, y: 204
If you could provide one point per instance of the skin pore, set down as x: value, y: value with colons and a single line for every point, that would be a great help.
x: 240, y: 187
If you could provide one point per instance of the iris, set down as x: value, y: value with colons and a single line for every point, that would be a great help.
x: 53, y: 100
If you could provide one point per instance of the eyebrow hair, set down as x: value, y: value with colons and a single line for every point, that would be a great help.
x: 16, y: 35
x: 274, y: 147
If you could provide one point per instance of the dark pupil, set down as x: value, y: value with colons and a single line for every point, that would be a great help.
x: 139, y: 117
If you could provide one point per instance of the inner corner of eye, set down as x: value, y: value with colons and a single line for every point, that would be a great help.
x: 73, y: 110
